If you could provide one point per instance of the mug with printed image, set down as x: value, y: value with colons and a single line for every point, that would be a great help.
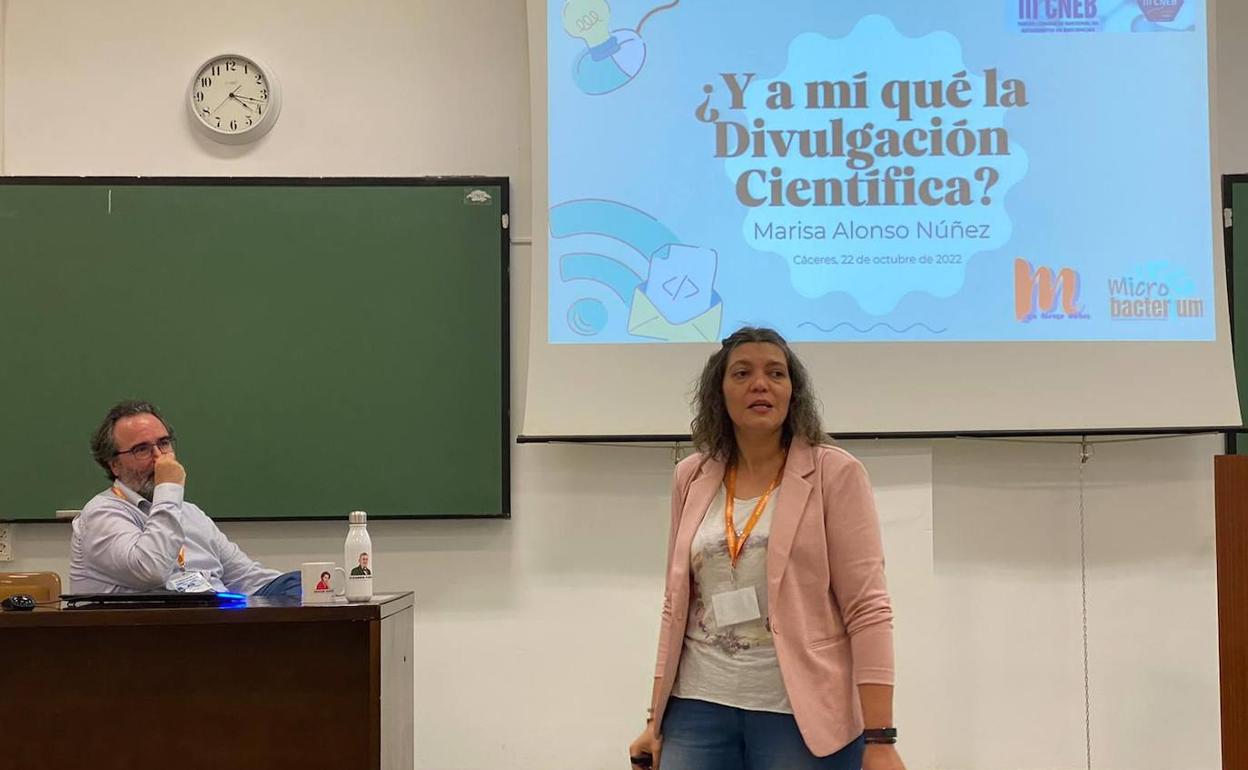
x: 322, y: 581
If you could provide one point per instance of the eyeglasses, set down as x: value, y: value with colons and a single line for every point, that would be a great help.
x: 146, y: 451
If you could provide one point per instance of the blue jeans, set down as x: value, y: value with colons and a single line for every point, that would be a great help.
x: 706, y: 736
x: 285, y: 584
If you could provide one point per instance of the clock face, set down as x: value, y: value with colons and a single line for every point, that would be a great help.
x: 233, y: 98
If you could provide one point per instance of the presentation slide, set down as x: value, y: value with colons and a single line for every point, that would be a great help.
x: 892, y: 171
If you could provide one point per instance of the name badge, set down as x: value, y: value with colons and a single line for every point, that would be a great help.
x: 189, y: 583
x: 733, y: 607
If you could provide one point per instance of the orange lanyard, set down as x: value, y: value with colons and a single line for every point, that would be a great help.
x: 181, y: 549
x: 736, y: 544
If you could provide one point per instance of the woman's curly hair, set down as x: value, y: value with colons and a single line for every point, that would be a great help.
x: 712, y: 429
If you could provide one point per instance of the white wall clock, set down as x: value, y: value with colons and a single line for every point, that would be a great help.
x: 234, y: 99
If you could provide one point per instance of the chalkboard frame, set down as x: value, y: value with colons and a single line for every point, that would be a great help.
x: 503, y: 183
x: 1229, y: 182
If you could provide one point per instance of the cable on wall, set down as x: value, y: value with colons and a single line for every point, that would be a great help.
x: 1085, y: 454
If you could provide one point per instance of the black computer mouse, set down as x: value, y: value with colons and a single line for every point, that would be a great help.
x: 18, y: 602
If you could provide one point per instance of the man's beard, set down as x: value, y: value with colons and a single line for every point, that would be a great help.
x: 144, y: 484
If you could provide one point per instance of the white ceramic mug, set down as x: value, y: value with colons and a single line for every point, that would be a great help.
x: 322, y: 581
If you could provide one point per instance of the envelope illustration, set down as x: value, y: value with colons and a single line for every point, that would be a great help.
x: 681, y: 281
x: 645, y: 320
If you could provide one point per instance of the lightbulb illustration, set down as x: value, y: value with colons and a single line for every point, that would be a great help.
x: 612, y: 57
x: 589, y: 20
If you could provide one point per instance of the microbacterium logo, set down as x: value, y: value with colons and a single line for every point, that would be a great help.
x: 1155, y: 291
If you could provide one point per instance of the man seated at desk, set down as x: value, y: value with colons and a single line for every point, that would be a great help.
x: 140, y: 535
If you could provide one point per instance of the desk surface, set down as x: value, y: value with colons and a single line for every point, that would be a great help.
x: 254, y: 610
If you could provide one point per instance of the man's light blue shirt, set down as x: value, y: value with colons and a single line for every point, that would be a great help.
x: 123, y: 543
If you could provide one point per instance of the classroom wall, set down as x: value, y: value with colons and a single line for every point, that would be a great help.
x: 1231, y: 69
x: 534, y: 637
x: 4, y: 11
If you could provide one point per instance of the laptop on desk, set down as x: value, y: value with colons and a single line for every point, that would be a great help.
x: 151, y: 599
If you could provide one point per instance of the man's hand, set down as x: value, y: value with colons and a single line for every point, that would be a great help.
x: 169, y: 470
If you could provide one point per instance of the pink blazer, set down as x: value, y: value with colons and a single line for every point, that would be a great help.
x: 829, y: 609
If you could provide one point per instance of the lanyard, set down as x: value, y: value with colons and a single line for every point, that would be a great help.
x: 181, y: 549
x: 736, y: 544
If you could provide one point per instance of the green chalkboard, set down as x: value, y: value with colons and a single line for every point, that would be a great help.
x: 1235, y: 199
x: 318, y: 346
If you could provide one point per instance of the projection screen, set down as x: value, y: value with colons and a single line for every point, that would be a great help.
x: 966, y: 215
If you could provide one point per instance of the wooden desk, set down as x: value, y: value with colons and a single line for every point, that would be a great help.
x: 271, y: 684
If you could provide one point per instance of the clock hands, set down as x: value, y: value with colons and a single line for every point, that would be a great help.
x: 226, y: 99
x: 240, y: 101
x: 249, y: 98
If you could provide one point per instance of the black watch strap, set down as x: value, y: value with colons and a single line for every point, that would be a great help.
x: 880, y: 735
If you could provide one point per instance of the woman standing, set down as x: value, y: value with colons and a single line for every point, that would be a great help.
x: 775, y: 646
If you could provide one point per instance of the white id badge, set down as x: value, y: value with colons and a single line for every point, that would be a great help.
x: 189, y: 583
x: 733, y: 607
